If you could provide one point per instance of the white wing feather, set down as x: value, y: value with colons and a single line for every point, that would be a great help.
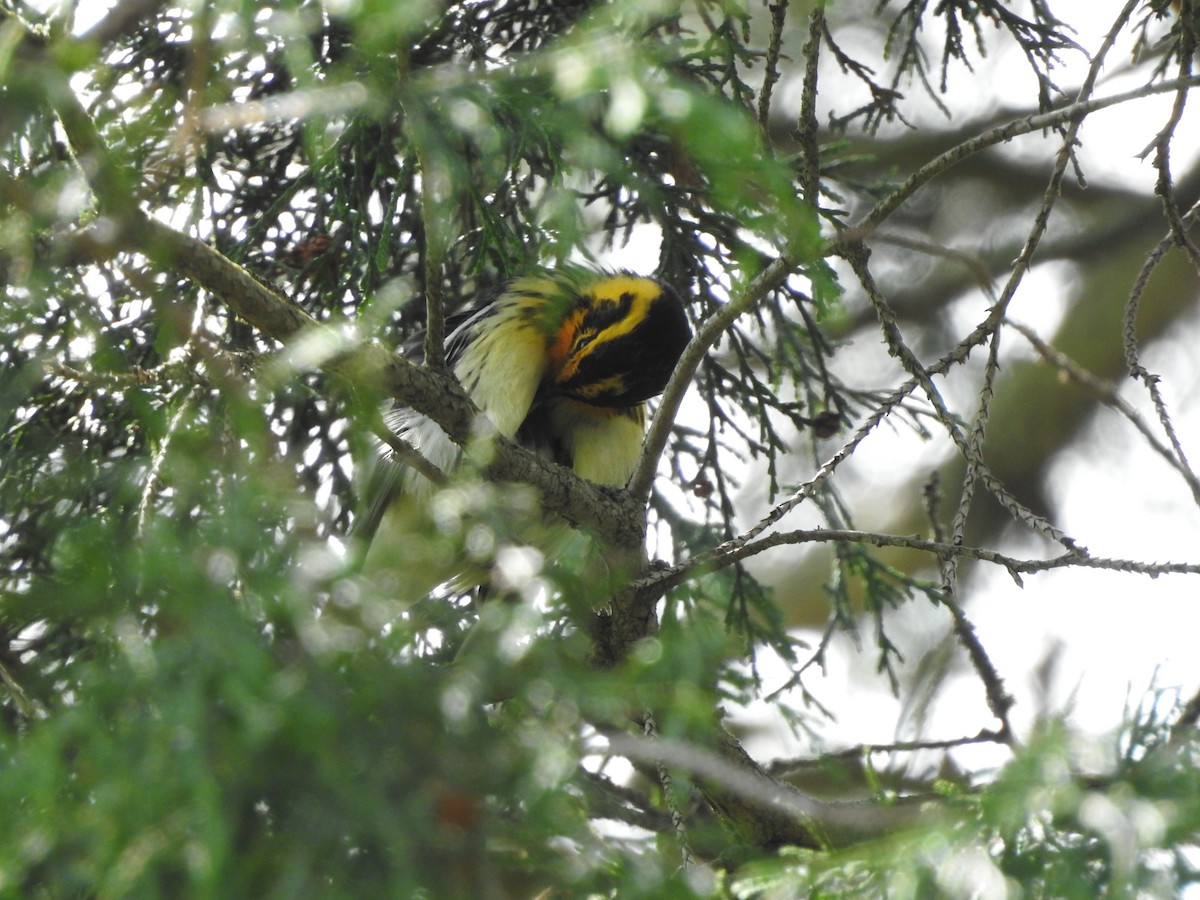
x: 501, y: 384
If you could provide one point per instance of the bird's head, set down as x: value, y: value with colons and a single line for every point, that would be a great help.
x: 619, y: 343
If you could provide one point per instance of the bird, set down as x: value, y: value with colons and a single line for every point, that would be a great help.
x: 562, y: 361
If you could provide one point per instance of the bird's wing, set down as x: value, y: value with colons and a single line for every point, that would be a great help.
x: 387, y: 476
x: 499, y: 356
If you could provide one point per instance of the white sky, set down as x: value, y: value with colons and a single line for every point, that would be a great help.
x: 1083, y: 643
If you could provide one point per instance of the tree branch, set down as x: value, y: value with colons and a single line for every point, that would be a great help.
x: 705, y: 337
x: 1075, y: 112
x: 740, y: 548
x: 610, y: 514
x: 764, y: 811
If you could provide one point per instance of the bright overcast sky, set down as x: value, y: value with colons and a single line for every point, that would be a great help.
x: 1081, y: 642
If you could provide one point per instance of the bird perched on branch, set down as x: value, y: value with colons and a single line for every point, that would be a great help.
x: 561, y: 361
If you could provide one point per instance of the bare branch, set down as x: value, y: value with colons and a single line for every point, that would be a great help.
x: 741, y: 548
x: 771, y: 67
x: 805, y: 131
x: 1129, y: 332
x: 1107, y: 394
x: 1075, y: 112
x: 764, y: 810
x: 705, y: 337
x: 784, y: 767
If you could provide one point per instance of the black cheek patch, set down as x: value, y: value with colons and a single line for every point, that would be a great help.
x: 602, y: 315
x: 642, y: 371
x: 642, y: 359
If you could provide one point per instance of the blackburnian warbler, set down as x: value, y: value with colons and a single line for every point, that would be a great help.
x: 561, y: 361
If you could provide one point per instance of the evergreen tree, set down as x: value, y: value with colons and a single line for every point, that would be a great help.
x: 228, y: 232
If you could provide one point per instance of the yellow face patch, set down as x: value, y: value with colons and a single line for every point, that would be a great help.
x: 611, y: 292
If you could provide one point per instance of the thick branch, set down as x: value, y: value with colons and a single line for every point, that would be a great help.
x: 611, y: 514
x: 765, y: 811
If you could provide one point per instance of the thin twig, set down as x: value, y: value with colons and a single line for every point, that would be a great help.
x: 738, y: 549
x: 435, y: 308
x: 407, y: 454
x: 706, y: 336
x: 782, y: 768
x: 856, y: 256
x: 1075, y: 112
x: 806, y: 124
x: 609, y: 800
x: 1129, y: 331
x: 1107, y: 394
x: 1165, y: 187
x: 999, y: 700
x: 778, y: 11
x: 434, y: 212
x: 803, y: 819
x: 972, y: 262
x: 153, y: 475
x: 670, y: 800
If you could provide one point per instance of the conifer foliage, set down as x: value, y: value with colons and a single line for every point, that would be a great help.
x: 230, y: 233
